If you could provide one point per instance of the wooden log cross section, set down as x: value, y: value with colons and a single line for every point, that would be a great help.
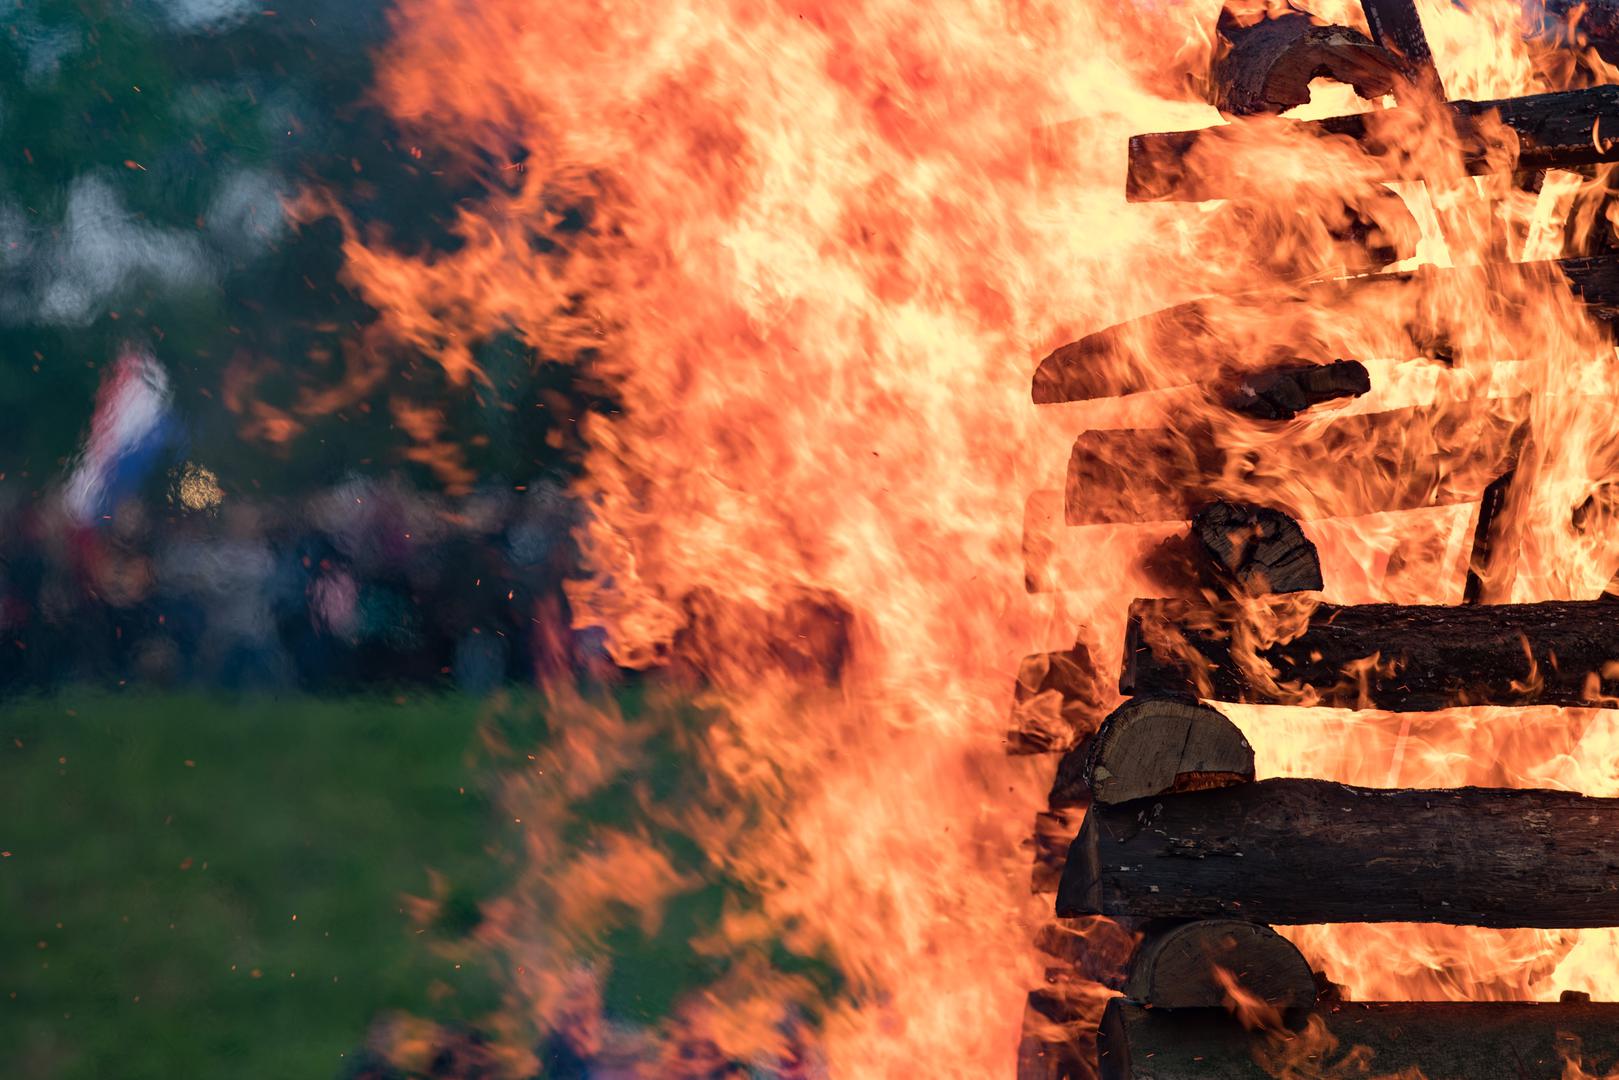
x: 1313, y: 851
x: 1560, y: 130
x: 1438, y: 1039
x: 1405, y: 658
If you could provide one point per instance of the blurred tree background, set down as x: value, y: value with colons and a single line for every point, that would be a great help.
x: 149, y: 149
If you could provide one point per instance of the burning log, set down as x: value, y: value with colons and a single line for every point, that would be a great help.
x: 1431, y: 455
x: 1152, y: 746
x: 1281, y: 393
x: 1054, y: 834
x: 1127, y: 358
x: 1058, y: 1043
x: 1312, y: 851
x: 1595, y: 21
x: 1559, y: 130
x: 1489, y: 537
x: 1452, y: 1040
x: 1175, y: 968
x: 1397, y: 27
x: 1385, y: 656
x: 1267, y: 67
x: 1059, y: 698
x: 1255, y: 550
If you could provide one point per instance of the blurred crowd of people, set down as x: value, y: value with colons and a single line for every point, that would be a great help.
x: 365, y: 585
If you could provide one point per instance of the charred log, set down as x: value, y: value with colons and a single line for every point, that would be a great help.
x: 1593, y: 23
x: 1059, y: 1040
x: 1059, y: 698
x: 1174, y: 968
x: 1406, y: 658
x: 1453, y: 1040
x: 1432, y: 455
x: 1255, y: 550
x: 1312, y: 851
x: 1267, y: 67
x: 1397, y: 28
x: 1207, y: 335
x: 1151, y: 746
x: 1489, y: 536
x: 1054, y: 834
x: 1282, y: 393
x: 1554, y: 131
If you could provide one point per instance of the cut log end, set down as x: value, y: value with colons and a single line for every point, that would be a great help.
x: 1180, y: 968
x: 1152, y: 746
x: 1257, y: 550
x: 1267, y: 67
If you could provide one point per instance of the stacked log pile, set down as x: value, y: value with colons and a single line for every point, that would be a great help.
x: 1158, y: 842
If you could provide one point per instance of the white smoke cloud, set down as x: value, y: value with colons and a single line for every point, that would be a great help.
x: 246, y: 215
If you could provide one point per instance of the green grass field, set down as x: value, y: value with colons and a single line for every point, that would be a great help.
x: 196, y: 888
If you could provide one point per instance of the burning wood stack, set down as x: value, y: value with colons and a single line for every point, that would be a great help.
x: 1158, y: 837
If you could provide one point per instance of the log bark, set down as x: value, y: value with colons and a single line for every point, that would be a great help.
x: 1312, y: 851
x: 1560, y: 130
x: 1256, y: 550
x: 1282, y: 393
x: 1434, y: 1039
x: 1174, y: 968
x: 1405, y: 658
x: 1267, y: 67
x: 1403, y: 459
x: 1152, y: 746
x: 1211, y: 336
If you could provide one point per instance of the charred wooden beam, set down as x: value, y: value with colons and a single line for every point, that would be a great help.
x: 1151, y: 746
x: 1560, y: 130
x: 1430, y: 455
x: 1406, y: 658
x: 1489, y: 536
x: 1209, y: 337
x: 1058, y: 699
x: 1396, y: 27
x: 1281, y: 393
x: 1453, y: 1040
x: 1256, y: 550
x: 1267, y: 67
x: 1312, y: 851
x: 1175, y: 968
x: 1593, y: 23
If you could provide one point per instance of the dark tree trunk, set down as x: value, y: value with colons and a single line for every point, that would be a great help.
x: 1555, y: 131
x: 1312, y: 851
x: 1384, y: 656
x: 1427, y: 455
x: 1442, y: 1040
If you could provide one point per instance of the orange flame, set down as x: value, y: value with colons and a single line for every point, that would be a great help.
x: 818, y: 246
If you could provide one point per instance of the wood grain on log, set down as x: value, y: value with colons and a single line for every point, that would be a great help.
x: 1210, y: 336
x: 1405, y: 658
x: 1150, y: 746
x: 1267, y: 67
x: 1430, y: 455
x: 1256, y: 550
x: 1559, y: 130
x: 1312, y: 851
x: 1441, y: 1040
x: 1174, y: 968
